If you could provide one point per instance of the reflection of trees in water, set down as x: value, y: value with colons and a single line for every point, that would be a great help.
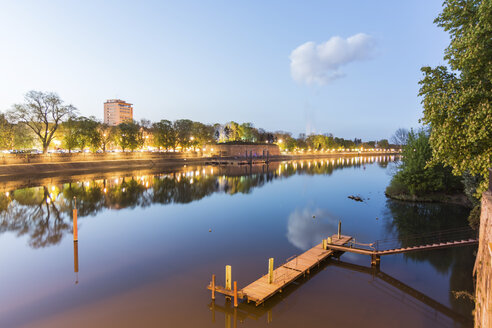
x: 45, y: 213
x: 33, y: 211
x: 405, y: 219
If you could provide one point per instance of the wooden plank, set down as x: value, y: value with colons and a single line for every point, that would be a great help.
x: 259, y: 290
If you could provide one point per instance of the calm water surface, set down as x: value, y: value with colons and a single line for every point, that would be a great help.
x: 150, y: 241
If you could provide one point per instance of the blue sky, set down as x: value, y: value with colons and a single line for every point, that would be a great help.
x: 216, y: 61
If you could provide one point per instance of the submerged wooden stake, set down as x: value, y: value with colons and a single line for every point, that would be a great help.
x: 270, y: 270
x: 228, y: 277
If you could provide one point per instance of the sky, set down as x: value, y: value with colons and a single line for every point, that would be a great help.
x: 350, y: 68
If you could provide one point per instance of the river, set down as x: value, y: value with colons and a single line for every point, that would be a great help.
x: 149, y: 242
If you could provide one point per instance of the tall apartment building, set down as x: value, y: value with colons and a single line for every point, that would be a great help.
x: 117, y: 111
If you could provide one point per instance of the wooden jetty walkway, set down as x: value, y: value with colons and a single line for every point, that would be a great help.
x: 277, y: 279
x: 273, y: 282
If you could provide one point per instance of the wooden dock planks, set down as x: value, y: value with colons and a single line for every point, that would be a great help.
x: 260, y: 290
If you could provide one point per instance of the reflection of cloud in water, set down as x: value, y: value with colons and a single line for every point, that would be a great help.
x: 304, y: 231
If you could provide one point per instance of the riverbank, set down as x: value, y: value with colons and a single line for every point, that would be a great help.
x: 438, y: 197
x: 132, y: 161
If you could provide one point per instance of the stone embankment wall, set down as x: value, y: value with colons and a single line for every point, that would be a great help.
x: 240, y: 150
x: 8, y: 159
x: 483, y: 266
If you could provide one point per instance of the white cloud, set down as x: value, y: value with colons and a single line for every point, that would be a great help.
x: 304, y: 231
x: 320, y: 63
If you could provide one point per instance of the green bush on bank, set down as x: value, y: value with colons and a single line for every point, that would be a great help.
x: 415, y: 177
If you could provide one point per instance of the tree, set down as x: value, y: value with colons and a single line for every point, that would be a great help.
x: 88, y: 132
x: 164, y: 134
x: 183, y: 132
x: 202, y: 134
x: 69, y: 131
x: 23, y: 137
x: 6, y: 133
x: 129, y: 136
x: 457, y: 101
x: 106, y: 134
x: 383, y: 143
x: 400, y: 137
x: 42, y: 112
x: 414, y: 176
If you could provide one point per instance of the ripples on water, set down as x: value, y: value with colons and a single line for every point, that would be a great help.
x: 149, y: 241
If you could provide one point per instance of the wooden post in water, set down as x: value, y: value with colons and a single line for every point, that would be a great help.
x: 235, y: 294
x: 76, y: 260
x: 213, y: 287
x: 228, y: 277
x: 339, y: 229
x: 324, y: 244
x: 328, y: 240
x: 270, y: 270
x: 75, y: 233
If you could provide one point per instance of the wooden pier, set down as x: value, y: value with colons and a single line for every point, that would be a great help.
x: 277, y: 279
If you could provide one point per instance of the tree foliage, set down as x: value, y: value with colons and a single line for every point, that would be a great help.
x: 457, y: 100
x: 414, y: 176
x: 129, y: 136
x: 42, y: 112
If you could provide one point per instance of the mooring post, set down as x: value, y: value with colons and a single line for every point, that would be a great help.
x: 324, y: 244
x: 76, y: 260
x: 213, y: 287
x: 339, y: 229
x: 235, y: 294
x: 375, y: 260
x: 75, y: 233
x: 328, y: 240
x: 228, y: 277
x: 270, y: 270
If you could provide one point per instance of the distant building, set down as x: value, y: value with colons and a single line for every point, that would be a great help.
x: 117, y: 111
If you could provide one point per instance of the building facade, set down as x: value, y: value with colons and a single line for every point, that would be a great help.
x: 117, y: 111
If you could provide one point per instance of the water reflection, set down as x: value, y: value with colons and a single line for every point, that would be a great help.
x: 404, y: 219
x: 44, y: 212
x: 307, y: 227
x: 76, y: 261
x: 408, y: 296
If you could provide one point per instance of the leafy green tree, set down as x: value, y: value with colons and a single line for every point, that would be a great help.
x: 247, y: 132
x: 23, y: 137
x: 183, y: 132
x: 69, y: 131
x: 106, y: 134
x: 383, y: 143
x: 88, y: 133
x: 42, y: 112
x: 165, y: 135
x: 414, y: 177
x: 457, y: 101
x: 6, y: 133
x: 129, y: 136
x: 233, y: 131
x: 202, y: 134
